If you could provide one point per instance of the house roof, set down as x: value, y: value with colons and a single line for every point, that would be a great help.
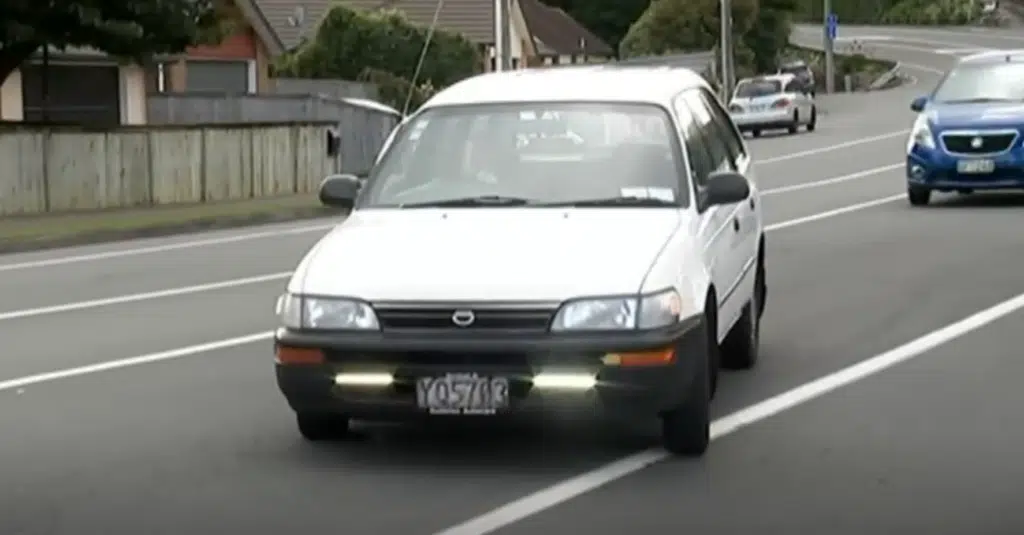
x: 474, y: 19
x: 254, y: 15
x: 555, y: 32
x: 293, y: 20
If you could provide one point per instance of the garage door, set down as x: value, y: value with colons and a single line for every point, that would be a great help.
x: 219, y: 76
x: 76, y: 94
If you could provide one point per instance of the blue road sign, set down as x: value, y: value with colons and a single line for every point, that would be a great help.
x: 832, y: 25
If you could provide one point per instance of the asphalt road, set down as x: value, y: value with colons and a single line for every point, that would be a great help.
x: 885, y: 431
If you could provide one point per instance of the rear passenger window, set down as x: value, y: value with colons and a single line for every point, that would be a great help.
x: 696, y: 149
x: 728, y: 131
x: 721, y: 160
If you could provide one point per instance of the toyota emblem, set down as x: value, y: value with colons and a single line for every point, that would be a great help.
x: 977, y: 142
x: 463, y: 318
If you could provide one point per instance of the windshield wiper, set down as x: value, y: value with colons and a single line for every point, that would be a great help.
x: 615, y: 201
x: 480, y: 200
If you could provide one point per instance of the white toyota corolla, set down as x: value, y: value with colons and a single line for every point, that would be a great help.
x: 609, y: 264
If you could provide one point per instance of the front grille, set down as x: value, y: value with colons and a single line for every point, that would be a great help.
x: 990, y: 143
x: 436, y: 318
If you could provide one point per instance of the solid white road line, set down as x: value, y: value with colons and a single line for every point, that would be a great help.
x: 832, y: 213
x: 249, y: 338
x: 178, y: 353
x: 831, y: 181
x: 131, y: 298
x: 820, y: 150
x: 59, y: 261
x: 584, y: 483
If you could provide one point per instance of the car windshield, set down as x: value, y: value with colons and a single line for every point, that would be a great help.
x: 526, y: 154
x: 758, y: 88
x: 993, y: 82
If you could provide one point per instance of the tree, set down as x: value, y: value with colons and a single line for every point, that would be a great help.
x: 769, y: 35
x: 608, y: 19
x: 131, y: 29
x: 675, y: 26
x: 382, y: 46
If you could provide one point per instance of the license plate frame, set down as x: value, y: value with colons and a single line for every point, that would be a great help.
x: 469, y: 394
x: 976, y: 166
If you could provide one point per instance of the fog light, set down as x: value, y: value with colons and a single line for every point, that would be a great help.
x: 565, y: 381
x: 364, y: 379
x: 916, y: 171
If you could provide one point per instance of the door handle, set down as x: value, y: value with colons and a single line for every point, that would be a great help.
x: 736, y: 224
x: 752, y: 203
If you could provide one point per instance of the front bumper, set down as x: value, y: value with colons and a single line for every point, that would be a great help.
x: 935, y: 169
x: 781, y: 118
x: 620, y: 390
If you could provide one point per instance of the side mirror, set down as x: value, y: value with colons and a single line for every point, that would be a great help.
x: 918, y: 104
x: 726, y: 187
x: 340, y: 191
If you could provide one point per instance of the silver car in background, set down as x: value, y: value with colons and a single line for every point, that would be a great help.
x: 776, y: 101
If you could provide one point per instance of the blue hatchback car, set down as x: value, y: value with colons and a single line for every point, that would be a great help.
x: 967, y: 135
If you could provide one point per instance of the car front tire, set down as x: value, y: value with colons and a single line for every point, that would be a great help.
x: 814, y: 119
x: 322, y: 427
x: 686, y: 429
x: 918, y: 196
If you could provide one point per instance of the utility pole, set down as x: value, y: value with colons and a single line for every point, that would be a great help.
x: 502, y: 37
x: 830, y: 73
x: 726, y: 48
x: 506, y: 35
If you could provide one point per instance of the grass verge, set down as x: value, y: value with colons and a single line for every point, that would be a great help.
x: 33, y: 232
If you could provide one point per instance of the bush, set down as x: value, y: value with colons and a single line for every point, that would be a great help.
x: 395, y: 90
x: 349, y: 42
x: 933, y: 12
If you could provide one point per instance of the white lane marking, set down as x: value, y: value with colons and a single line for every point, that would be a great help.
x: 828, y: 181
x: 131, y: 298
x: 843, y: 145
x: 21, y: 382
x: 584, y: 483
x: 161, y: 248
x: 178, y: 353
x: 833, y: 213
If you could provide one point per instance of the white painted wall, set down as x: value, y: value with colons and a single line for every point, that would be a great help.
x: 12, y: 108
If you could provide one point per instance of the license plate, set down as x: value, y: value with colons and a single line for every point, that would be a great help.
x: 975, y: 166
x: 462, y: 393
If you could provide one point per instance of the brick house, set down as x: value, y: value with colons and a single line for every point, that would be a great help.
x: 86, y: 86
x: 239, y: 64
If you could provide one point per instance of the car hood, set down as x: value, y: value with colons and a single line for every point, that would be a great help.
x: 499, y: 254
x: 980, y: 115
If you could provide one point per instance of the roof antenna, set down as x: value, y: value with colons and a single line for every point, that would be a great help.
x: 423, y: 56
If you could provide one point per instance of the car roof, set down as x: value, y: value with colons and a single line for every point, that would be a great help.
x: 600, y: 83
x: 993, y: 56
